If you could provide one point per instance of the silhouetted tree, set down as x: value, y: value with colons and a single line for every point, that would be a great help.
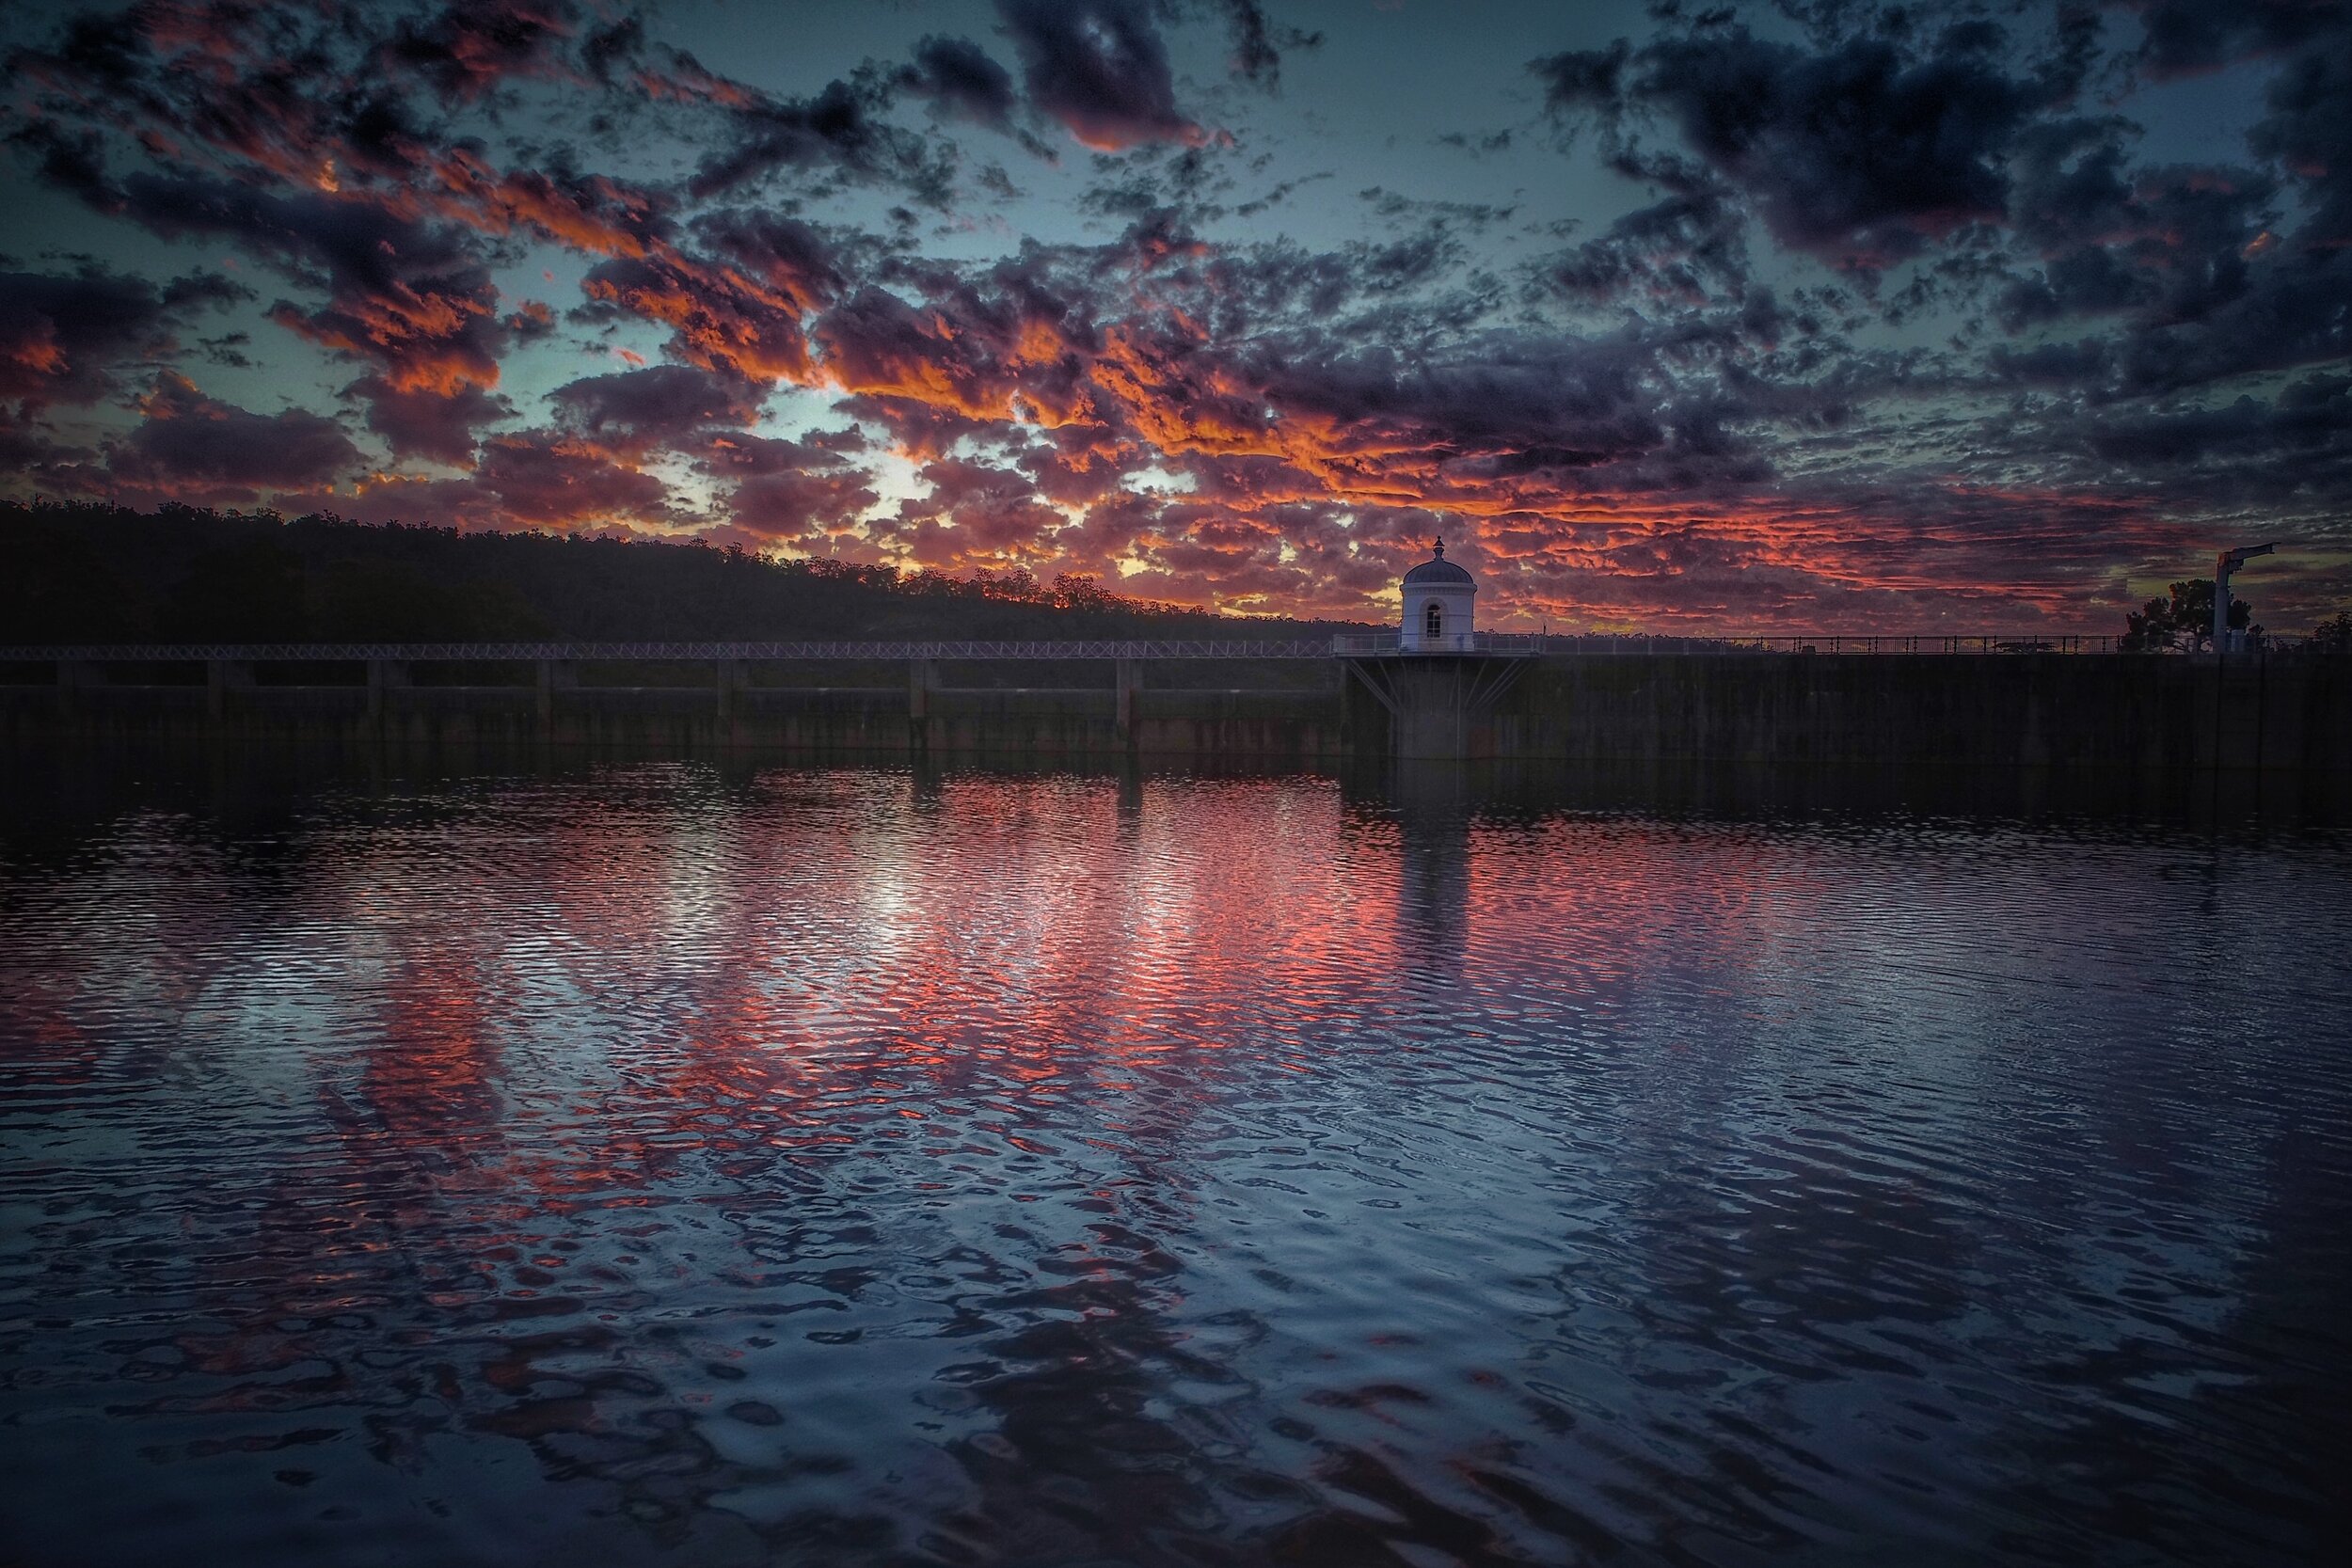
x: 83, y: 572
x: 2333, y: 636
x: 2183, y: 620
x: 252, y: 591
x: 389, y: 601
x: 61, y: 587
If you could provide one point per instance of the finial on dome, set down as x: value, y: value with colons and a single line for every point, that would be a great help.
x: 1439, y: 545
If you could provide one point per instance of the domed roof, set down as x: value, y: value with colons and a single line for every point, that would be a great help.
x: 1437, y: 569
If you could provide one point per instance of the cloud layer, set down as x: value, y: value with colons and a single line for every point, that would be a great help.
x: 1897, y: 321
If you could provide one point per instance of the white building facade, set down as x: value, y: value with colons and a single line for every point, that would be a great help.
x: 1440, y: 608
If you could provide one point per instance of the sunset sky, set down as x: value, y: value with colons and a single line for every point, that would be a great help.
x: 1819, y: 314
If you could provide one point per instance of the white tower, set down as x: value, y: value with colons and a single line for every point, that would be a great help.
x: 1441, y: 603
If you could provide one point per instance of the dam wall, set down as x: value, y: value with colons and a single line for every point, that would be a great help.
x: 1274, y: 723
x: 2162, y: 714
x: 2025, y: 710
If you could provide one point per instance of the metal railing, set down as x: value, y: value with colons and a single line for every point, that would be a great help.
x: 1524, y: 644
x: 262, y: 653
x: 1344, y: 645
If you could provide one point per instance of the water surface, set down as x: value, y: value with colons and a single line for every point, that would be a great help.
x: 641, y: 1164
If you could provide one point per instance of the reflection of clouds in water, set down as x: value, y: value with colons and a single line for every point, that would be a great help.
x: 1066, y: 1167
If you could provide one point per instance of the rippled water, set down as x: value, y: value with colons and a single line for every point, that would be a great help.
x: 643, y: 1164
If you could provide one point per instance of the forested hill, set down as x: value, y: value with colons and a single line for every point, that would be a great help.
x: 98, y: 574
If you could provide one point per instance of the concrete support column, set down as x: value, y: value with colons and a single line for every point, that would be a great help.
x: 730, y: 687
x: 76, y: 676
x: 1130, y: 682
x: 922, y: 680
x: 222, y: 677
x: 555, y: 674
x: 383, y: 676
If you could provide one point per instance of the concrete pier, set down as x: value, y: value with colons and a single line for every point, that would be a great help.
x: 1439, y: 706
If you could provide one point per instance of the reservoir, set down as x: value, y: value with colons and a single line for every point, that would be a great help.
x: 732, y: 1162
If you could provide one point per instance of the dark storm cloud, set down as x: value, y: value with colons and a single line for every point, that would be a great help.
x: 340, y: 184
x: 959, y: 77
x: 323, y: 98
x: 466, y: 50
x: 289, y: 89
x: 2071, y: 179
x: 1076, y: 473
x: 2215, y: 271
x: 413, y: 298
x: 1680, y: 250
x: 735, y: 301
x: 69, y: 160
x: 27, y: 449
x: 60, y: 337
x: 805, y: 492
x: 2083, y: 362
x: 1582, y: 79
x: 995, y: 511
x: 1864, y: 150
x: 2296, y: 311
x: 2178, y: 243
x: 662, y: 405
x: 547, y: 480
x: 1237, y: 374
x: 921, y: 429
x: 1678, y: 414
x: 1254, y: 55
x: 2286, y: 452
x: 1099, y: 68
x: 1258, y: 41
x: 838, y: 128
x: 2210, y: 277
x: 1562, y: 402
x: 187, y: 444
x: 878, y: 345
x: 2308, y: 131
x: 2309, y: 416
x: 2183, y: 36
x: 1860, y: 154
x: 1011, y: 341
x: 438, y: 426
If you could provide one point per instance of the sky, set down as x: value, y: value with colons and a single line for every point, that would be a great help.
x: 1817, y: 315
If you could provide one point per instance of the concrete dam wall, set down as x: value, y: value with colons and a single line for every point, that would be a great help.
x: 2029, y: 710
x: 1276, y: 720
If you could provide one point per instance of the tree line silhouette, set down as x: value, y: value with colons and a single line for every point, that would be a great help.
x: 85, y: 571
x: 2182, y: 622
x: 2181, y: 619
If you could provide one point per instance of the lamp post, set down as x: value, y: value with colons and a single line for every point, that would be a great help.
x: 2228, y: 561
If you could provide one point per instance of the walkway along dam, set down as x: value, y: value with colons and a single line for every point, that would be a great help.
x: 1608, y: 700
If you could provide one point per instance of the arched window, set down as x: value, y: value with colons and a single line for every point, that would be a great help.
x: 1433, y: 620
